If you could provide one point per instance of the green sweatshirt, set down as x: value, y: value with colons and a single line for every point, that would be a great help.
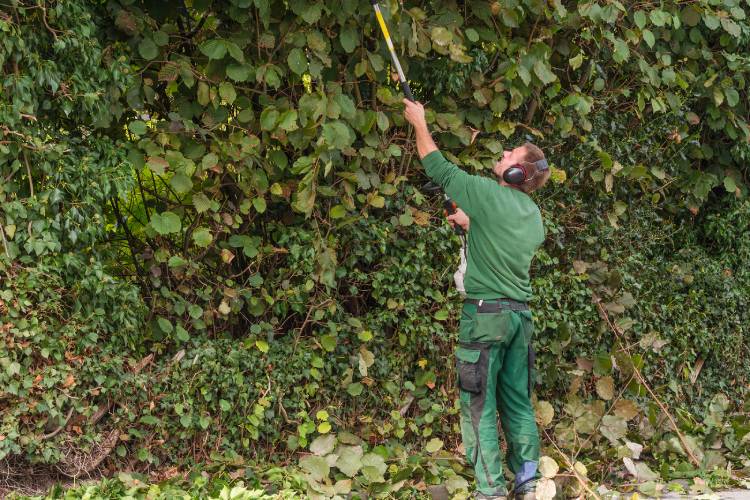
x: 506, y: 229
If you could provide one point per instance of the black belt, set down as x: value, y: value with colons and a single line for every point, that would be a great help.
x: 497, y: 305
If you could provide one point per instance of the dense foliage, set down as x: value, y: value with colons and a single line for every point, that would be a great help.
x: 244, y: 165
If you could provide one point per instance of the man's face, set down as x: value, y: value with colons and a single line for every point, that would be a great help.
x: 510, y: 158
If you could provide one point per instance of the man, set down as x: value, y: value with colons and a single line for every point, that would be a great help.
x: 493, y: 354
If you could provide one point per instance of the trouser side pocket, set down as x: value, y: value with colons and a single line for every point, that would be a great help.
x: 469, y: 371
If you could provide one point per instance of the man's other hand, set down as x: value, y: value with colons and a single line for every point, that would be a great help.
x: 459, y: 218
x: 414, y: 113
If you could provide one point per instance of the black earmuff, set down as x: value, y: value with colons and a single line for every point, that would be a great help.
x: 518, y: 174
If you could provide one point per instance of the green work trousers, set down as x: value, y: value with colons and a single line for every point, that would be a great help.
x: 493, y: 365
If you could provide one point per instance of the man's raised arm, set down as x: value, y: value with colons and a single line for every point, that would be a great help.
x: 414, y: 114
x: 460, y: 186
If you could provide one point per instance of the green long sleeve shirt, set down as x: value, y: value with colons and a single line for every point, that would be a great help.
x: 506, y: 229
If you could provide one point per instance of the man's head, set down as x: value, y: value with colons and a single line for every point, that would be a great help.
x: 524, y: 155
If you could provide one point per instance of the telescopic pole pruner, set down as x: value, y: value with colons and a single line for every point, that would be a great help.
x: 394, y: 57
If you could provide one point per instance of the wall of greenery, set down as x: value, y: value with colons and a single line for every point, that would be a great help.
x: 214, y: 242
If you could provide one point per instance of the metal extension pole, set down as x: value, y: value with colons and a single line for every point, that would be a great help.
x: 394, y: 57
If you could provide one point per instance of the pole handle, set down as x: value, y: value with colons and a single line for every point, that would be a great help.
x: 407, y: 91
x: 450, y: 208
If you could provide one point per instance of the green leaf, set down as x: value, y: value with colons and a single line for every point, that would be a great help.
x: 441, y: 315
x: 323, y: 445
x: 434, y: 445
x: 711, y: 21
x: 640, y: 19
x: 202, y: 237
x: 259, y: 204
x: 406, y: 218
x: 268, y: 119
x: 542, y: 71
x: 297, y: 61
x: 160, y: 38
x: 148, y: 49
x: 658, y: 17
x: 354, y: 389
x: 731, y: 27
x: 201, y: 202
x: 575, y: 62
x: 271, y: 77
x: 316, y: 466
x: 311, y: 13
x: 288, y: 120
x: 545, y: 412
x: 227, y: 92
x: 377, y: 201
x: 166, y: 223
x: 349, y: 38
x: 240, y: 72
x: 209, y: 160
x: 348, y: 109
x: 195, y: 311
x: 648, y: 37
x: 441, y: 36
x: 164, y: 325
x: 203, y: 94
x: 499, y: 104
x: 137, y: 127
x: 213, y: 49
x: 337, y: 135
x: 373, y: 467
x: 181, y: 334
x: 366, y: 359
x: 733, y: 97
x: 149, y: 420
x: 472, y: 35
x: 730, y: 185
x: 181, y: 183
x: 622, y: 52
x: 204, y: 421
x: 262, y: 345
x: 349, y: 460
x: 328, y: 342
x: 690, y: 15
x: 337, y: 212
x: 14, y: 368
x: 613, y: 428
x: 176, y: 261
x: 235, y: 51
x: 249, y: 244
x: 548, y: 467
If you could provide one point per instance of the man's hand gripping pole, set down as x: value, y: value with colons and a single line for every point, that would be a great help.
x: 449, y: 206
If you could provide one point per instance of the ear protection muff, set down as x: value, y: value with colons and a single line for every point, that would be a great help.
x: 518, y: 174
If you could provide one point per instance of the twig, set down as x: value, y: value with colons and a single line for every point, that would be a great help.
x: 5, y: 242
x: 642, y: 381
x: 61, y: 427
x: 571, y: 466
x: 28, y: 172
x: 44, y: 19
